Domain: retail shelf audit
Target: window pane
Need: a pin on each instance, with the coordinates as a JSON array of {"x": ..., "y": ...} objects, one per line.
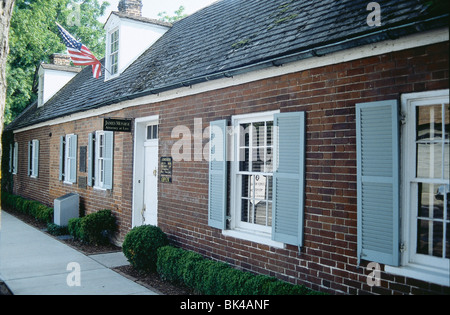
[
  {"x": 245, "y": 135},
  {"x": 430, "y": 238},
  {"x": 446, "y": 160},
  {"x": 429, "y": 122},
  {"x": 269, "y": 133},
  {"x": 258, "y": 134},
  {"x": 246, "y": 186},
  {"x": 447, "y": 242},
  {"x": 429, "y": 160},
  {"x": 245, "y": 210},
  {"x": 244, "y": 159},
  {"x": 257, "y": 160},
  {"x": 431, "y": 201}
]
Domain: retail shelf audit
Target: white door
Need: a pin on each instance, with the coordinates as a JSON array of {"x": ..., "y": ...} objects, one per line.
[{"x": 150, "y": 207}]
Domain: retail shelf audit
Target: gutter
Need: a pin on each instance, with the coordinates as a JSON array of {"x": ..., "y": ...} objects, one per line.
[{"x": 390, "y": 33}]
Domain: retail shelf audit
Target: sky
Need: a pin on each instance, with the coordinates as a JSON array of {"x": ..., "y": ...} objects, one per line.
[{"x": 151, "y": 8}]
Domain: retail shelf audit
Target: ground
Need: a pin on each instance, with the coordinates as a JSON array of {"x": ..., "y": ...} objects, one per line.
[{"x": 151, "y": 280}]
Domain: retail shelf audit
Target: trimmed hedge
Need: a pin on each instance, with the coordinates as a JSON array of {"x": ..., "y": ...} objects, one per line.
[
  {"x": 141, "y": 244},
  {"x": 95, "y": 228},
  {"x": 210, "y": 277},
  {"x": 36, "y": 209}
]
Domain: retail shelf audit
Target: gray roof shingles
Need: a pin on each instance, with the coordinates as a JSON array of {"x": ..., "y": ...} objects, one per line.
[{"x": 227, "y": 35}]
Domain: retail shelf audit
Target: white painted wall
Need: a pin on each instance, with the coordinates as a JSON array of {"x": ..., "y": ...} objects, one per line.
[
  {"x": 135, "y": 37},
  {"x": 53, "y": 81}
]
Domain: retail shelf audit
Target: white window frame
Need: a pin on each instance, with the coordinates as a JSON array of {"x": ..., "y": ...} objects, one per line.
[
  {"x": 110, "y": 74},
  {"x": 34, "y": 157},
  {"x": 68, "y": 160},
  {"x": 418, "y": 266},
  {"x": 238, "y": 229},
  {"x": 99, "y": 163}
]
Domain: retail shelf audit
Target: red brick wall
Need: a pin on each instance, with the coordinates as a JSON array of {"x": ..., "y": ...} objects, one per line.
[{"x": 328, "y": 96}]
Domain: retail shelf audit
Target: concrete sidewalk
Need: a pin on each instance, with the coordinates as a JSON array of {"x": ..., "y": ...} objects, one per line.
[{"x": 34, "y": 263}]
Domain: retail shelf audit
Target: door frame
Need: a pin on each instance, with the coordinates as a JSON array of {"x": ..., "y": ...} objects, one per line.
[{"x": 140, "y": 137}]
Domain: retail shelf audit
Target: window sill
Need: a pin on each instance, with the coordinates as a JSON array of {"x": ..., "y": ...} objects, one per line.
[
  {"x": 260, "y": 238},
  {"x": 420, "y": 272}
]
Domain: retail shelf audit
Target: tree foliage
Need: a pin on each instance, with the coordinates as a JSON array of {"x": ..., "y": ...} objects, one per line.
[
  {"x": 163, "y": 16},
  {"x": 34, "y": 37}
]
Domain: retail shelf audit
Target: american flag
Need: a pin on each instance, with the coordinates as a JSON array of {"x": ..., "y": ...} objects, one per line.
[{"x": 79, "y": 53}]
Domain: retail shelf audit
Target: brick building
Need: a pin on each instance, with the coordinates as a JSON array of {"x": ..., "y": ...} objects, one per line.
[{"x": 301, "y": 140}]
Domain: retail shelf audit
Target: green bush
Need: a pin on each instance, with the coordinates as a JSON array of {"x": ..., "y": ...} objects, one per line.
[
  {"x": 74, "y": 228},
  {"x": 210, "y": 277},
  {"x": 141, "y": 245},
  {"x": 35, "y": 209},
  {"x": 97, "y": 227},
  {"x": 56, "y": 230}
]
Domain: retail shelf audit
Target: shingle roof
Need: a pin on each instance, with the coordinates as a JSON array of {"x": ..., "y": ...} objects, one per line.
[{"x": 230, "y": 36}]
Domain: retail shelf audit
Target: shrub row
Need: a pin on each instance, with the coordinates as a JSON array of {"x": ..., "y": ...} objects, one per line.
[
  {"x": 36, "y": 209},
  {"x": 95, "y": 228},
  {"x": 210, "y": 277}
]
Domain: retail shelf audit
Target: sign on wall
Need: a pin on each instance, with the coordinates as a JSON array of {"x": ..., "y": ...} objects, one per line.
[
  {"x": 165, "y": 175},
  {"x": 117, "y": 125}
]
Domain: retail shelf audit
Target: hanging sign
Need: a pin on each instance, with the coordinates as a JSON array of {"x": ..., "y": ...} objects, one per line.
[{"x": 119, "y": 125}]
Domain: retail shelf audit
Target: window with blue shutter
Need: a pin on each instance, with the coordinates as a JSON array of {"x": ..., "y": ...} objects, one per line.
[
  {"x": 101, "y": 159},
  {"x": 377, "y": 131},
  {"x": 217, "y": 202},
  {"x": 288, "y": 178}
]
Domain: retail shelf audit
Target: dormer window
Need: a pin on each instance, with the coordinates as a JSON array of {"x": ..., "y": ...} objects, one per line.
[
  {"x": 114, "y": 53},
  {"x": 129, "y": 34}
]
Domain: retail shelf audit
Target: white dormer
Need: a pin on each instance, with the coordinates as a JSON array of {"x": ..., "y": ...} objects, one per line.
[
  {"x": 128, "y": 35},
  {"x": 53, "y": 76}
]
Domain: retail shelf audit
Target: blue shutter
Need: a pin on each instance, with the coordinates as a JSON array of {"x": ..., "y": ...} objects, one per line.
[
  {"x": 217, "y": 203},
  {"x": 289, "y": 178},
  {"x": 377, "y": 133},
  {"x": 90, "y": 159},
  {"x": 61, "y": 157},
  {"x": 108, "y": 159}
]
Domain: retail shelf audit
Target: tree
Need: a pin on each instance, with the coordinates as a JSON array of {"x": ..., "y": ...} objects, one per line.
[
  {"x": 34, "y": 37},
  {"x": 171, "y": 19},
  {"x": 6, "y": 10}
]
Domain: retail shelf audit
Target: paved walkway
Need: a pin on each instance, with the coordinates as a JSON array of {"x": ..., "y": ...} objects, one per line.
[{"x": 34, "y": 263}]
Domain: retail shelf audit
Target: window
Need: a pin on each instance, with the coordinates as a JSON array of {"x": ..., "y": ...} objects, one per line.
[
  {"x": 13, "y": 157},
  {"x": 152, "y": 132},
  {"x": 100, "y": 159},
  {"x": 425, "y": 228},
  {"x": 68, "y": 159},
  {"x": 41, "y": 91},
  {"x": 403, "y": 185},
  {"x": 114, "y": 53},
  {"x": 33, "y": 158},
  {"x": 266, "y": 193},
  {"x": 255, "y": 173}
]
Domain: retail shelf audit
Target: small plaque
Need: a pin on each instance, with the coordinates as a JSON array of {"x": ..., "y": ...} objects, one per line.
[
  {"x": 82, "y": 182},
  {"x": 165, "y": 173},
  {"x": 83, "y": 156}
]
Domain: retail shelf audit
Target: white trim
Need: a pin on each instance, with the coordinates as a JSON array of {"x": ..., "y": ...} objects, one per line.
[
  {"x": 140, "y": 138},
  {"x": 412, "y": 41},
  {"x": 253, "y": 232},
  {"x": 410, "y": 267}
]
